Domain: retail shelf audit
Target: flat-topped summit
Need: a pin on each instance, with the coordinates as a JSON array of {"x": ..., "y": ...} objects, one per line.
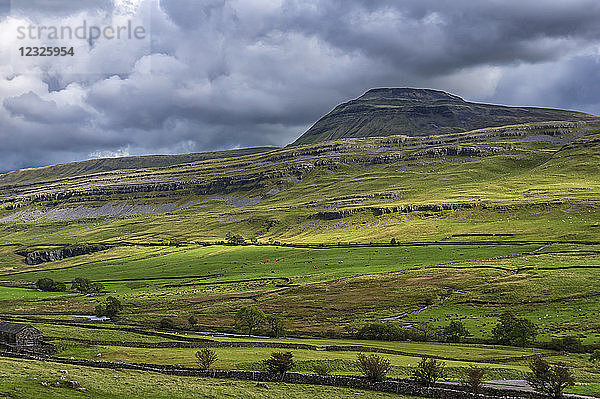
[
  {"x": 408, "y": 93},
  {"x": 421, "y": 112}
]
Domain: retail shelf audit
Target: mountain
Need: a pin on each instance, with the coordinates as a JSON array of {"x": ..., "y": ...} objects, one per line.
[{"x": 421, "y": 112}]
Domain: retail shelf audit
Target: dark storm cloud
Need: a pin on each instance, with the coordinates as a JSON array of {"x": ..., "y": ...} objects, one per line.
[
  {"x": 225, "y": 74},
  {"x": 437, "y": 37}
]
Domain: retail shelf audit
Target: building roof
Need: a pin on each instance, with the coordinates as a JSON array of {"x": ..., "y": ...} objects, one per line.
[{"x": 13, "y": 328}]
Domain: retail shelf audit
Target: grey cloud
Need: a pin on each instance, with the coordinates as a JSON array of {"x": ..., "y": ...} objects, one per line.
[
  {"x": 435, "y": 37},
  {"x": 226, "y": 74},
  {"x": 34, "y": 109}
]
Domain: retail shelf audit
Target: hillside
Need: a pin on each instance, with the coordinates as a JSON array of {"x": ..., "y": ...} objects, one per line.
[
  {"x": 420, "y": 112},
  {"x": 292, "y": 194},
  {"x": 94, "y": 166},
  {"x": 416, "y": 232}
]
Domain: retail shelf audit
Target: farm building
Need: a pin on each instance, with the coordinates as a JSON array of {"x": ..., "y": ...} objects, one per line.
[{"x": 16, "y": 334}]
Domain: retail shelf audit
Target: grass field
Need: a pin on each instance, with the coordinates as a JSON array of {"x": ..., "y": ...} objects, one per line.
[
  {"x": 511, "y": 223},
  {"x": 22, "y": 379}
]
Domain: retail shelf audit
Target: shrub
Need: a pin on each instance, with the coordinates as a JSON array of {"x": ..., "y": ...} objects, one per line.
[
  {"x": 249, "y": 318},
  {"x": 473, "y": 379},
  {"x": 280, "y": 362},
  {"x": 549, "y": 380},
  {"x": 192, "y": 320},
  {"x": 595, "y": 356},
  {"x": 206, "y": 358},
  {"x": 321, "y": 368},
  {"x": 455, "y": 331},
  {"x": 515, "y": 331},
  {"x": 86, "y": 286},
  {"x": 428, "y": 371},
  {"x": 167, "y": 323},
  {"x": 567, "y": 344},
  {"x": 374, "y": 367}
]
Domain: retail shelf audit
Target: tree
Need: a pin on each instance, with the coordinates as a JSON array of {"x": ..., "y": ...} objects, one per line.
[
  {"x": 382, "y": 332},
  {"x": 279, "y": 362},
  {"x": 47, "y": 284},
  {"x": 393, "y": 241},
  {"x": 205, "y": 358},
  {"x": 249, "y": 318},
  {"x": 473, "y": 379},
  {"x": 515, "y": 331},
  {"x": 192, "y": 320},
  {"x": 549, "y": 380},
  {"x": 111, "y": 308},
  {"x": 428, "y": 371},
  {"x": 276, "y": 326},
  {"x": 373, "y": 367},
  {"x": 455, "y": 331},
  {"x": 86, "y": 286}
]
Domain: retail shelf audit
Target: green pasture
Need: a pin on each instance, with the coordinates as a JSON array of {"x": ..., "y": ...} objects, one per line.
[{"x": 21, "y": 379}]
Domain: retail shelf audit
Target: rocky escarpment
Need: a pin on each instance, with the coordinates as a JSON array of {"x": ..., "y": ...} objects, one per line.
[
  {"x": 377, "y": 211},
  {"x": 38, "y": 257}
]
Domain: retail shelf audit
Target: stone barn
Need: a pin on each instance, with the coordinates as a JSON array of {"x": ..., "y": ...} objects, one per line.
[{"x": 16, "y": 334}]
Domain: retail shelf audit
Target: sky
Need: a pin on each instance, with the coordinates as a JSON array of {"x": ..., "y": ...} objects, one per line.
[{"x": 215, "y": 74}]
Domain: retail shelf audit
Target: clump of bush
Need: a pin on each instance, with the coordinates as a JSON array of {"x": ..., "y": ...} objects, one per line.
[
  {"x": 549, "y": 380},
  {"x": 455, "y": 332},
  {"x": 47, "y": 284},
  {"x": 515, "y": 331},
  {"x": 321, "y": 368},
  {"x": 206, "y": 358},
  {"x": 428, "y": 371},
  {"x": 567, "y": 344},
  {"x": 110, "y": 308},
  {"x": 279, "y": 362},
  {"x": 167, "y": 323},
  {"x": 85, "y": 286},
  {"x": 234, "y": 239},
  {"x": 373, "y": 367},
  {"x": 395, "y": 332}
]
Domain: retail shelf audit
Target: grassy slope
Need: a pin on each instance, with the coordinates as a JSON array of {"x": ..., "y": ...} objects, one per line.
[
  {"x": 22, "y": 379},
  {"x": 96, "y": 166}
]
